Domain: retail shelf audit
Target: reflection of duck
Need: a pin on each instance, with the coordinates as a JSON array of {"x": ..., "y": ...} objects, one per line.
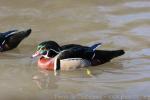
[
  {"x": 72, "y": 56},
  {"x": 11, "y": 39},
  {"x": 44, "y": 80}
]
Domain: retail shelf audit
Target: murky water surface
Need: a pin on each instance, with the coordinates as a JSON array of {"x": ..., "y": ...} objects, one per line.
[{"x": 118, "y": 24}]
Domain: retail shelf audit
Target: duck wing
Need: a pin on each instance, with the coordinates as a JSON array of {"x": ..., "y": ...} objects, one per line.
[
  {"x": 11, "y": 39},
  {"x": 4, "y": 35},
  {"x": 95, "y": 46},
  {"x": 68, "y": 46},
  {"x": 75, "y": 52}
]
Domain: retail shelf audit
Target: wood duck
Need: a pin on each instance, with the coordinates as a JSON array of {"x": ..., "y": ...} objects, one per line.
[
  {"x": 11, "y": 39},
  {"x": 72, "y": 56}
]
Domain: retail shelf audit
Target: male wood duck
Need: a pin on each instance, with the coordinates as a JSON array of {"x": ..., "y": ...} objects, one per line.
[
  {"x": 72, "y": 56},
  {"x": 11, "y": 39}
]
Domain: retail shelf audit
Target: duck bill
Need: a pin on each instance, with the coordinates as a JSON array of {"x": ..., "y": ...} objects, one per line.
[{"x": 37, "y": 53}]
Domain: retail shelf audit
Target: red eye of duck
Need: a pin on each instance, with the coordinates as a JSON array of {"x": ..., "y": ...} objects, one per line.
[{"x": 42, "y": 48}]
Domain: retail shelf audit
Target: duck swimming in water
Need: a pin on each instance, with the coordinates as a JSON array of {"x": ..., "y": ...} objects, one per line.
[
  {"x": 72, "y": 56},
  {"x": 11, "y": 39}
]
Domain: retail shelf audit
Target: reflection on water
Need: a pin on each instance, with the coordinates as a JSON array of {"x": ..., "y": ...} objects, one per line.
[{"x": 120, "y": 24}]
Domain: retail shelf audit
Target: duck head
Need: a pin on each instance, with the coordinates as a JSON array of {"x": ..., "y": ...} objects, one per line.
[
  {"x": 11, "y": 39},
  {"x": 47, "y": 49}
]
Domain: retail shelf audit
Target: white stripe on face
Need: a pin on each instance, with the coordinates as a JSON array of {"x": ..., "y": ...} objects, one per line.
[{"x": 46, "y": 56}]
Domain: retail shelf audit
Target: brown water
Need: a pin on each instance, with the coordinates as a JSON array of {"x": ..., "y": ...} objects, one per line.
[{"x": 118, "y": 24}]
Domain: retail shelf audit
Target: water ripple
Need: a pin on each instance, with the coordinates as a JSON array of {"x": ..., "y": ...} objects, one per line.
[
  {"x": 137, "y": 4},
  {"x": 121, "y": 20},
  {"x": 141, "y": 30}
]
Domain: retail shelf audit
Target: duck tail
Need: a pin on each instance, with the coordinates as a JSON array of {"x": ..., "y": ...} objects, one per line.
[
  {"x": 94, "y": 46},
  {"x": 25, "y": 33},
  {"x": 106, "y": 56},
  {"x": 117, "y": 53}
]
